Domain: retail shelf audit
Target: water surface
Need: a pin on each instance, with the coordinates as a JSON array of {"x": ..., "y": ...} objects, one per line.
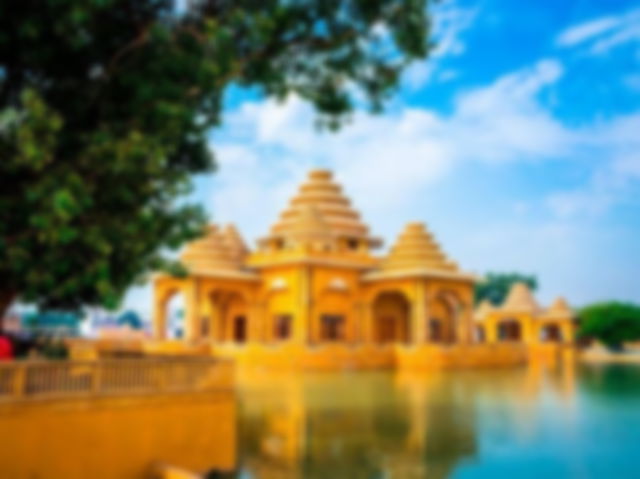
[{"x": 561, "y": 421}]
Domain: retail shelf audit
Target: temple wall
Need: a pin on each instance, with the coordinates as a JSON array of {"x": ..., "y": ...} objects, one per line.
[
  {"x": 70, "y": 438},
  {"x": 342, "y": 357}
]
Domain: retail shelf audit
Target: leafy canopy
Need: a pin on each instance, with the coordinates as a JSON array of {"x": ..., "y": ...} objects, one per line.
[
  {"x": 495, "y": 286},
  {"x": 105, "y": 108},
  {"x": 613, "y": 323}
]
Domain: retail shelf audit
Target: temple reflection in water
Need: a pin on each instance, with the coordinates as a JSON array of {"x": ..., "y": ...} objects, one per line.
[
  {"x": 365, "y": 424},
  {"x": 375, "y": 425}
]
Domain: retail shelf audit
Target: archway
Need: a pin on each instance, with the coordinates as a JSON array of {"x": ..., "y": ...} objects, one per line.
[
  {"x": 442, "y": 326},
  {"x": 228, "y": 320},
  {"x": 551, "y": 333},
  {"x": 391, "y": 313},
  {"x": 171, "y": 315},
  {"x": 479, "y": 336},
  {"x": 509, "y": 330}
]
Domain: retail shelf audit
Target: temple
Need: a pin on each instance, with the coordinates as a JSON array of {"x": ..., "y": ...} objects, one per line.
[{"x": 314, "y": 293}]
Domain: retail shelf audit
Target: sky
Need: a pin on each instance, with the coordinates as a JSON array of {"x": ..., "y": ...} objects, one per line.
[{"x": 517, "y": 142}]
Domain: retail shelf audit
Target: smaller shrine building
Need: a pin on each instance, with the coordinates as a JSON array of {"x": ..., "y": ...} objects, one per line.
[{"x": 521, "y": 319}]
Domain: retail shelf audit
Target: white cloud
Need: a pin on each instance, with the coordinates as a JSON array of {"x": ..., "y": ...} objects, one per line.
[
  {"x": 385, "y": 161},
  {"x": 603, "y": 34},
  {"x": 268, "y": 148},
  {"x": 586, "y": 31},
  {"x": 613, "y": 149}
]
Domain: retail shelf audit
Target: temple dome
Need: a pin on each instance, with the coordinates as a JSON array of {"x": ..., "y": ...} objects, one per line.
[
  {"x": 520, "y": 300},
  {"x": 234, "y": 242},
  {"x": 484, "y": 308},
  {"x": 210, "y": 253},
  {"x": 309, "y": 224},
  {"x": 559, "y": 309},
  {"x": 329, "y": 206},
  {"x": 417, "y": 249}
]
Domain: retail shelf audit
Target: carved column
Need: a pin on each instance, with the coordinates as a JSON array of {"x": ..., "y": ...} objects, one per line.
[
  {"x": 159, "y": 317},
  {"x": 419, "y": 315},
  {"x": 301, "y": 323},
  {"x": 191, "y": 311},
  {"x": 367, "y": 323}
]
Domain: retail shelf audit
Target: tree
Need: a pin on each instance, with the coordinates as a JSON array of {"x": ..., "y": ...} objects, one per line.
[
  {"x": 106, "y": 106},
  {"x": 495, "y": 286},
  {"x": 612, "y": 323}
]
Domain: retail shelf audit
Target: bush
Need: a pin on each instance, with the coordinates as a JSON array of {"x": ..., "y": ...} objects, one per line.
[{"x": 612, "y": 323}]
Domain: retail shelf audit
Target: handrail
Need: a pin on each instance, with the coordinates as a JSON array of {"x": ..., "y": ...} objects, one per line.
[{"x": 34, "y": 379}]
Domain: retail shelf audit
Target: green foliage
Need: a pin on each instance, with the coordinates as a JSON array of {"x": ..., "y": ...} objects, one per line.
[
  {"x": 612, "y": 323},
  {"x": 106, "y": 106},
  {"x": 54, "y": 349},
  {"x": 495, "y": 286}
]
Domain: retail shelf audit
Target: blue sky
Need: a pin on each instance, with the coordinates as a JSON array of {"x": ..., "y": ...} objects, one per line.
[{"x": 517, "y": 143}]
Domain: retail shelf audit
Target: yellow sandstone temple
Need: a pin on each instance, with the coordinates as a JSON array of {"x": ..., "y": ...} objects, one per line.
[{"x": 313, "y": 294}]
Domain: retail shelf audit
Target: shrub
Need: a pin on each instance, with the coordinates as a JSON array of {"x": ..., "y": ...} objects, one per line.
[{"x": 612, "y": 323}]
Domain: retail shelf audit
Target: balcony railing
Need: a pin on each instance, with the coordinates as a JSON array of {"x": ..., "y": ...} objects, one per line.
[{"x": 24, "y": 380}]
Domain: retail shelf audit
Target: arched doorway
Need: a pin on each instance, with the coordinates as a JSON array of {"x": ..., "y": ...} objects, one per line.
[
  {"x": 442, "y": 320},
  {"x": 239, "y": 329},
  {"x": 391, "y": 313},
  {"x": 173, "y": 313},
  {"x": 550, "y": 333},
  {"x": 479, "y": 336},
  {"x": 229, "y": 319},
  {"x": 509, "y": 330}
]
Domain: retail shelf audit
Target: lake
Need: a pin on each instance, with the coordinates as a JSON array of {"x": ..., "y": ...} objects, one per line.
[
  {"x": 563, "y": 421},
  {"x": 532, "y": 422}
]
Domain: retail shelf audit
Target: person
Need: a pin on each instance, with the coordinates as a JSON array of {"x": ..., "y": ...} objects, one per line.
[{"x": 6, "y": 348}]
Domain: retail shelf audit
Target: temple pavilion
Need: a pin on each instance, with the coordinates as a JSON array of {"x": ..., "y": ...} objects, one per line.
[
  {"x": 521, "y": 319},
  {"x": 314, "y": 283}
]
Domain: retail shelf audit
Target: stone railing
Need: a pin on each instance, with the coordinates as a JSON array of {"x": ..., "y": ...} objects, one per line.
[{"x": 25, "y": 380}]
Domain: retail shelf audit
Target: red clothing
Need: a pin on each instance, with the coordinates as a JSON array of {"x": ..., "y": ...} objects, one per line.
[{"x": 6, "y": 348}]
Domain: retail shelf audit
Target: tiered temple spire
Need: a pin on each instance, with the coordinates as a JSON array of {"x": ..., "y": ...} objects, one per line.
[
  {"x": 484, "y": 308},
  {"x": 234, "y": 242},
  {"x": 331, "y": 206},
  {"x": 559, "y": 308},
  {"x": 210, "y": 253},
  {"x": 417, "y": 249},
  {"x": 520, "y": 300}
]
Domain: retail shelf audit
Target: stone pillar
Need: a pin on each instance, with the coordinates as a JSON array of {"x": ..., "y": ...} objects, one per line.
[
  {"x": 367, "y": 323},
  {"x": 159, "y": 317},
  {"x": 491, "y": 330},
  {"x": 462, "y": 323},
  {"x": 419, "y": 315},
  {"x": 215, "y": 325},
  {"x": 300, "y": 326},
  {"x": 254, "y": 317},
  {"x": 528, "y": 329},
  {"x": 191, "y": 311},
  {"x": 358, "y": 323},
  {"x": 567, "y": 331}
]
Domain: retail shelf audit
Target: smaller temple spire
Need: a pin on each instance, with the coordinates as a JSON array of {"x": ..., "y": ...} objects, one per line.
[
  {"x": 209, "y": 254},
  {"x": 484, "y": 308},
  {"x": 559, "y": 309},
  {"x": 233, "y": 240},
  {"x": 520, "y": 299},
  {"x": 417, "y": 249}
]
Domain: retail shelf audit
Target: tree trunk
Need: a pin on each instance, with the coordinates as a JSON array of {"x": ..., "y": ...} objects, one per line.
[{"x": 6, "y": 298}]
